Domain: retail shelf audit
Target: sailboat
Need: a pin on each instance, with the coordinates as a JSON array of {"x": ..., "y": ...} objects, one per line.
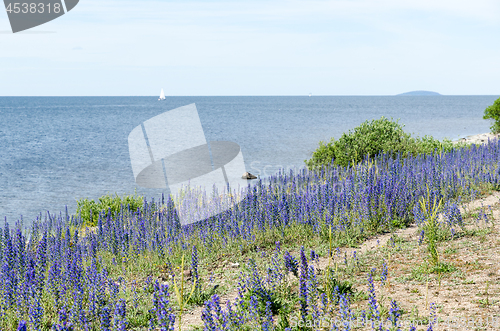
[{"x": 162, "y": 96}]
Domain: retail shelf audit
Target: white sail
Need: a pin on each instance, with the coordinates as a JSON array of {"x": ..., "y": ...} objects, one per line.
[{"x": 162, "y": 95}]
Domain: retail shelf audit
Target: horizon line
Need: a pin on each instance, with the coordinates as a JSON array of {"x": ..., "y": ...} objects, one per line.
[{"x": 267, "y": 95}]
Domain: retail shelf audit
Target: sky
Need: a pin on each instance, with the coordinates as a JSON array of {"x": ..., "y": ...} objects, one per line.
[{"x": 284, "y": 47}]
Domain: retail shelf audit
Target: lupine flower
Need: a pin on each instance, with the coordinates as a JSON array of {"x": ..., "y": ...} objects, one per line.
[
  {"x": 268, "y": 322},
  {"x": 314, "y": 256},
  {"x": 120, "y": 322},
  {"x": 165, "y": 318},
  {"x": 211, "y": 278},
  {"x": 433, "y": 316},
  {"x": 63, "y": 324},
  {"x": 312, "y": 293},
  {"x": 36, "y": 313},
  {"x": 421, "y": 237},
  {"x": 194, "y": 270},
  {"x": 393, "y": 243},
  {"x": 303, "y": 284},
  {"x": 254, "y": 307},
  {"x": 374, "y": 312},
  {"x": 291, "y": 264},
  {"x": 394, "y": 314},
  {"x": 355, "y": 258},
  {"x": 105, "y": 319},
  {"x": 207, "y": 318},
  {"x": 383, "y": 276},
  {"x": 345, "y": 311},
  {"x": 363, "y": 317},
  {"x": 22, "y": 326}
]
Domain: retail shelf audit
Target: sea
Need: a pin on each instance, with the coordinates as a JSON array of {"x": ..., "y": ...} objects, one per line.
[{"x": 56, "y": 150}]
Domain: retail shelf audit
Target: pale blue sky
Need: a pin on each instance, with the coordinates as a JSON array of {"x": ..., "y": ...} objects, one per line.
[{"x": 349, "y": 47}]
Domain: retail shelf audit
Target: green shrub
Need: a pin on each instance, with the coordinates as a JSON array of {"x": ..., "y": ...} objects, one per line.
[
  {"x": 104, "y": 204},
  {"x": 372, "y": 138},
  {"x": 367, "y": 140},
  {"x": 323, "y": 155},
  {"x": 493, "y": 112},
  {"x": 428, "y": 144}
]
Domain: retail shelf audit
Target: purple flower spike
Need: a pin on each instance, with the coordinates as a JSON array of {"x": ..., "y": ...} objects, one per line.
[
  {"x": 394, "y": 313},
  {"x": 383, "y": 276},
  {"x": 291, "y": 264},
  {"x": 303, "y": 284},
  {"x": 22, "y": 326}
]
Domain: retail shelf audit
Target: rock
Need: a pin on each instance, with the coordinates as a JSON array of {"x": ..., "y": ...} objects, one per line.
[
  {"x": 248, "y": 175},
  {"x": 187, "y": 274},
  {"x": 479, "y": 138}
]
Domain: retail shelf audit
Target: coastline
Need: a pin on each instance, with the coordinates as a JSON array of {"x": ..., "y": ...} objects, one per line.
[
  {"x": 478, "y": 138},
  {"x": 395, "y": 253}
]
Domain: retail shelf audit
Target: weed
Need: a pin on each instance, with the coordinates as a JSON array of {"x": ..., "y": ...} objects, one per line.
[
  {"x": 179, "y": 293},
  {"x": 431, "y": 226},
  {"x": 334, "y": 287},
  {"x": 450, "y": 251},
  {"x": 89, "y": 210}
]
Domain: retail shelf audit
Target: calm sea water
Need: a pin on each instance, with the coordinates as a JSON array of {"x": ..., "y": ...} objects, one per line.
[{"x": 54, "y": 150}]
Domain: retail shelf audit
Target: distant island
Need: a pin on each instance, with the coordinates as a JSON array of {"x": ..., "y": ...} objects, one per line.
[{"x": 420, "y": 93}]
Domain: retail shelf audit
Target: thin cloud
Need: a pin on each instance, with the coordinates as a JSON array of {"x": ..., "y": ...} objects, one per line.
[
  {"x": 295, "y": 9},
  {"x": 350, "y": 47}
]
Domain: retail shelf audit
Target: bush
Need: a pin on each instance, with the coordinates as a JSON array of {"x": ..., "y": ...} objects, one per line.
[
  {"x": 368, "y": 139},
  {"x": 493, "y": 112},
  {"x": 104, "y": 204},
  {"x": 323, "y": 155},
  {"x": 429, "y": 144},
  {"x": 372, "y": 138}
]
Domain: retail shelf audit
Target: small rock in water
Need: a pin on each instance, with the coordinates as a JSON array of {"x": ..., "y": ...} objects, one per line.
[{"x": 248, "y": 175}]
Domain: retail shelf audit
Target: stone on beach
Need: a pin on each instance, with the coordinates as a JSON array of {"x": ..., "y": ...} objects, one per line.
[
  {"x": 248, "y": 175},
  {"x": 479, "y": 138}
]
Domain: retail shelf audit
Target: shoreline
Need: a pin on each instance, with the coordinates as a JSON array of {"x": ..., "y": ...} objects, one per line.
[{"x": 478, "y": 138}]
